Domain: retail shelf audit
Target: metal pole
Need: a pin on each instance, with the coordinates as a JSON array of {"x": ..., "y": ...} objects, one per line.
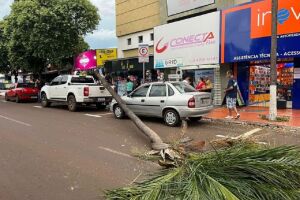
[
  {"x": 273, "y": 86},
  {"x": 144, "y": 80}
]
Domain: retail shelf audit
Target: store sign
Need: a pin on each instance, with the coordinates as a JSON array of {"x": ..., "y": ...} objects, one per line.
[
  {"x": 104, "y": 55},
  {"x": 188, "y": 42},
  {"x": 246, "y": 31},
  {"x": 86, "y": 61},
  {"x": 178, "y": 6}
]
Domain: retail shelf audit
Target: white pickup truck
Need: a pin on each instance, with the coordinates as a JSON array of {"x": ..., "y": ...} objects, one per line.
[{"x": 75, "y": 90}]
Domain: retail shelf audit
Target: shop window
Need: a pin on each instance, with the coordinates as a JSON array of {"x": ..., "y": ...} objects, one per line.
[
  {"x": 129, "y": 41},
  {"x": 141, "y": 39}
]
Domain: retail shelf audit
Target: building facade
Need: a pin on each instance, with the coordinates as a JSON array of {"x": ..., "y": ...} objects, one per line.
[{"x": 135, "y": 20}]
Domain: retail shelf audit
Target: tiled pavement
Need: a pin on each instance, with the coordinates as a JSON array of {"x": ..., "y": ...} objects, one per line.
[{"x": 253, "y": 115}]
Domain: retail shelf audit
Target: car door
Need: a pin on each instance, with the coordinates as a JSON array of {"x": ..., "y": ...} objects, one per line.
[
  {"x": 156, "y": 100},
  {"x": 62, "y": 88},
  {"x": 53, "y": 88},
  {"x": 136, "y": 101}
]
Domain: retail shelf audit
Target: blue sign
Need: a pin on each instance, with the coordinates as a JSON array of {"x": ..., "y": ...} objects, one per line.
[{"x": 238, "y": 45}]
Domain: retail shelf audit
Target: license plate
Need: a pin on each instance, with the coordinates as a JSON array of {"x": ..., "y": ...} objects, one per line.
[
  {"x": 101, "y": 99},
  {"x": 205, "y": 101},
  {"x": 34, "y": 97}
]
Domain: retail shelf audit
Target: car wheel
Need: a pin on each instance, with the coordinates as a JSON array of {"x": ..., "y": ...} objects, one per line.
[
  {"x": 72, "y": 104},
  {"x": 44, "y": 101},
  {"x": 195, "y": 119},
  {"x": 18, "y": 99},
  {"x": 171, "y": 118},
  {"x": 100, "y": 106},
  {"x": 118, "y": 112}
]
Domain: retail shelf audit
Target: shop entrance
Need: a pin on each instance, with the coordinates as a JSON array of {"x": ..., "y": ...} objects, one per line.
[
  {"x": 296, "y": 89},
  {"x": 259, "y": 84}
]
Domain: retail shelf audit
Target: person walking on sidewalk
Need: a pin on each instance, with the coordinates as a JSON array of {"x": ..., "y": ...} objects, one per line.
[{"x": 231, "y": 96}]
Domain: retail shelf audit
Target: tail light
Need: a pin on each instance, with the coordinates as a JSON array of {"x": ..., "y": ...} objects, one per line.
[
  {"x": 192, "y": 103},
  {"x": 86, "y": 91}
]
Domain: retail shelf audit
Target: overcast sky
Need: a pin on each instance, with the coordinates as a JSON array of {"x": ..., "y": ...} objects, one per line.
[{"x": 103, "y": 37}]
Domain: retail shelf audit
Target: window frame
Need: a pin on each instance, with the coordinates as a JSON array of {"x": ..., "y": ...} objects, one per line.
[
  {"x": 133, "y": 96},
  {"x": 155, "y": 85},
  {"x": 58, "y": 83},
  {"x": 170, "y": 88},
  {"x": 151, "y": 36},
  {"x": 62, "y": 82},
  {"x": 129, "y": 41},
  {"x": 141, "y": 39}
]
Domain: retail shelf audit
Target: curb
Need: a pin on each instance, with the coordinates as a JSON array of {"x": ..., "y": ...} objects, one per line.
[{"x": 259, "y": 124}]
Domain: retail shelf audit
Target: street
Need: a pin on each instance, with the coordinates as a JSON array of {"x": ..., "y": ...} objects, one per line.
[{"x": 51, "y": 153}]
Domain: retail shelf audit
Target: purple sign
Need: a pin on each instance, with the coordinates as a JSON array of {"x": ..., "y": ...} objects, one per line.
[{"x": 86, "y": 61}]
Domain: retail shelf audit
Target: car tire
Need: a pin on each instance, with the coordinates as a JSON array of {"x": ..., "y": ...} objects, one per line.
[
  {"x": 18, "y": 99},
  {"x": 118, "y": 112},
  {"x": 195, "y": 119},
  {"x": 100, "y": 106},
  {"x": 44, "y": 101},
  {"x": 171, "y": 118},
  {"x": 72, "y": 104}
]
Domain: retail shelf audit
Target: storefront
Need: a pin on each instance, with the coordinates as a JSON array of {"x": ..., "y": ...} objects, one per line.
[
  {"x": 246, "y": 46},
  {"x": 191, "y": 48}
]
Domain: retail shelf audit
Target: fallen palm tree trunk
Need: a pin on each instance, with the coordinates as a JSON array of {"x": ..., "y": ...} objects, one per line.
[{"x": 241, "y": 172}]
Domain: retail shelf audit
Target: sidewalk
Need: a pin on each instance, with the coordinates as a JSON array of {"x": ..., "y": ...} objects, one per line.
[{"x": 252, "y": 115}]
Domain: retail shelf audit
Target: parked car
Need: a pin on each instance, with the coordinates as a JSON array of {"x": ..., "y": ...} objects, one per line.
[
  {"x": 75, "y": 90},
  {"x": 171, "y": 101},
  {"x": 22, "y": 92}
]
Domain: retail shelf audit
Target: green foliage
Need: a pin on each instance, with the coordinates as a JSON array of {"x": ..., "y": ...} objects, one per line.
[
  {"x": 3, "y": 50},
  {"x": 43, "y": 31},
  {"x": 237, "y": 173}
]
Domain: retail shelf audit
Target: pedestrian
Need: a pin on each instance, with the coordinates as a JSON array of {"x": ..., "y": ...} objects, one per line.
[
  {"x": 208, "y": 84},
  {"x": 201, "y": 85},
  {"x": 187, "y": 80},
  {"x": 37, "y": 84},
  {"x": 129, "y": 86},
  {"x": 231, "y": 96}
]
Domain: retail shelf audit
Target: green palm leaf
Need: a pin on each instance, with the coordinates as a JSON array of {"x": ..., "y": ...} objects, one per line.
[{"x": 244, "y": 172}]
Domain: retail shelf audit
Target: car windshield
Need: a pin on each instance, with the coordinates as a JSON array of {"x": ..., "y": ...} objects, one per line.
[
  {"x": 82, "y": 80},
  {"x": 25, "y": 85},
  {"x": 184, "y": 88}
]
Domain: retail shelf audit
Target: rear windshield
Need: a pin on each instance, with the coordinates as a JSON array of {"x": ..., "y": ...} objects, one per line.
[
  {"x": 26, "y": 85},
  {"x": 184, "y": 88},
  {"x": 82, "y": 80}
]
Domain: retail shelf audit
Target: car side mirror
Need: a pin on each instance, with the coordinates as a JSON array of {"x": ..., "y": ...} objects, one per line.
[
  {"x": 69, "y": 83},
  {"x": 47, "y": 84}
]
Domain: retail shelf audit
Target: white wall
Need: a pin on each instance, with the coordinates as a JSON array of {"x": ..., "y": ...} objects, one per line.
[{"x": 122, "y": 41}]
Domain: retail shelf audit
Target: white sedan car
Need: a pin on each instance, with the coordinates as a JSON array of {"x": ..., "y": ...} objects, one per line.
[{"x": 171, "y": 101}]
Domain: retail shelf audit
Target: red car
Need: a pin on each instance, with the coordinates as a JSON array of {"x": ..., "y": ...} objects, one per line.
[{"x": 23, "y": 92}]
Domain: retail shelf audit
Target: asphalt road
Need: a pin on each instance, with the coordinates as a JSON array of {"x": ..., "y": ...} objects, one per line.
[{"x": 53, "y": 154}]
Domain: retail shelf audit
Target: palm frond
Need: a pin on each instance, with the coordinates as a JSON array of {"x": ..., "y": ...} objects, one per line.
[{"x": 242, "y": 172}]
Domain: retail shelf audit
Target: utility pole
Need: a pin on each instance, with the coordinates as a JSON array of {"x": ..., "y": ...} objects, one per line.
[{"x": 273, "y": 86}]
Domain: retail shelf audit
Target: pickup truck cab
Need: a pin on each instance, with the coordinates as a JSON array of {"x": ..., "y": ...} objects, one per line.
[{"x": 75, "y": 90}]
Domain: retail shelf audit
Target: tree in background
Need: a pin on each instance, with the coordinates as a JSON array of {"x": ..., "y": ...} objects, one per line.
[
  {"x": 41, "y": 32},
  {"x": 4, "y": 63}
]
